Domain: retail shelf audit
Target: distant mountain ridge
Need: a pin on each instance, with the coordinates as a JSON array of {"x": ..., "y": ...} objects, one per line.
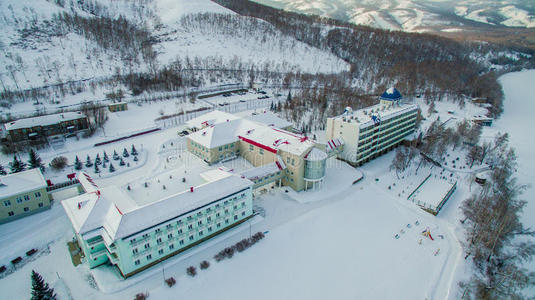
[{"x": 418, "y": 15}]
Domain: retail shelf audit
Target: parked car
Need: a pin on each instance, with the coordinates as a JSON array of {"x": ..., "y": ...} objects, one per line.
[
  {"x": 183, "y": 133},
  {"x": 242, "y": 100}
]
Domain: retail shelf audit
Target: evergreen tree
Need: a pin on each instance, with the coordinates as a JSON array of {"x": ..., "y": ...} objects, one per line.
[
  {"x": 35, "y": 161},
  {"x": 272, "y": 107},
  {"x": 77, "y": 163},
  {"x": 98, "y": 161},
  {"x": 115, "y": 155},
  {"x": 88, "y": 162},
  {"x": 134, "y": 151},
  {"x": 2, "y": 170},
  {"x": 106, "y": 158},
  {"x": 97, "y": 169},
  {"x": 289, "y": 98},
  {"x": 125, "y": 153},
  {"x": 40, "y": 289},
  {"x": 112, "y": 168},
  {"x": 135, "y": 158},
  {"x": 17, "y": 165},
  {"x": 121, "y": 163}
]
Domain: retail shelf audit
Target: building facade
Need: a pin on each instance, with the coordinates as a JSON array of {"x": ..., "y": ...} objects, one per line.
[
  {"x": 218, "y": 136},
  {"x": 36, "y": 130},
  {"x": 22, "y": 194},
  {"x": 111, "y": 229},
  {"x": 372, "y": 131}
]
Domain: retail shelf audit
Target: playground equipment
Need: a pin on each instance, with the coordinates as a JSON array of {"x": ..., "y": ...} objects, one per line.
[
  {"x": 427, "y": 233},
  {"x": 437, "y": 252}
]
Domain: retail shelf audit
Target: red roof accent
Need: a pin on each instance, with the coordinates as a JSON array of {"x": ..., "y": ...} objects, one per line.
[
  {"x": 71, "y": 176},
  {"x": 118, "y": 210},
  {"x": 288, "y": 133},
  {"x": 267, "y": 148},
  {"x": 278, "y": 165}
]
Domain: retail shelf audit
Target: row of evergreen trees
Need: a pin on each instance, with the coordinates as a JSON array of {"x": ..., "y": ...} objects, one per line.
[
  {"x": 78, "y": 165},
  {"x": 17, "y": 165}
]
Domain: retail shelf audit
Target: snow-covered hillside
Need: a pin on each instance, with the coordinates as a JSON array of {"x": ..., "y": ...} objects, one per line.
[
  {"x": 38, "y": 50},
  {"x": 413, "y": 15}
]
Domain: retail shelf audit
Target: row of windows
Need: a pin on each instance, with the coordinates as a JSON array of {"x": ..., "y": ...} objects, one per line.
[
  {"x": 7, "y": 203},
  {"x": 182, "y": 242},
  {"x": 388, "y": 137},
  {"x": 400, "y": 116},
  {"x": 205, "y": 212},
  {"x": 26, "y": 209},
  {"x": 226, "y": 147},
  {"x": 363, "y": 156},
  {"x": 381, "y": 134},
  {"x": 364, "y": 135}
]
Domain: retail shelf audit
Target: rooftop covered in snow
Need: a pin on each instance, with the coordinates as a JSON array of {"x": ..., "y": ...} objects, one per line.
[
  {"x": 44, "y": 120},
  {"x": 380, "y": 112},
  {"x": 211, "y": 118},
  {"x": 391, "y": 94},
  {"x": 25, "y": 181},
  {"x": 114, "y": 211},
  {"x": 270, "y": 119}
]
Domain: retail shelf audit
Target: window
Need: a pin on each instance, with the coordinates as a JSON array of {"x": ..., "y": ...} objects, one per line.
[
  {"x": 220, "y": 148},
  {"x": 149, "y": 257},
  {"x": 261, "y": 151},
  {"x": 137, "y": 262},
  {"x": 190, "y": 226},
  {"x": 200, "y": 222},
  {"x": 10, "y": 213},
  {"x": 170, "y": 236},
  {"x": 26, "y": 198},
  {"x": 210, "y": 228},
  {"x": 235, "y": 206},
  {"x": 146, "y": 235},
  {"x": 201, "y": 233},
  {"x": 243, "y": 204},
  {"x": 134, "y": 251},
  {"x": 19, "y": 199},
  {"x": 226, "y": 221},
  {"x": 181, "y": 242},
  {"x": 171, "y": 247},
  {"x": 160, "y": 251},
  {"x": 37, "y": 194},
  {"x": 217, "y": 215},
  {"x": 7, "y": 203},
  {"x": 159, "y": 240},
  {"x": 169, "y": 226},
  {"x": 251, "y": 148},
  {"x": 209, "y": 219},
  {"x": 180, "y": 231},
  {"x": 189, "y": 218},
  {"x": 158, "y": 230},
  {"x": 26, "y": 209},
  {"x": 40, "y": 204},
  {"x": 226, "y": 211},
  {"x": 179, "y": 222},
  {"x": 132, "y": 241},
  {"x": 147, "y": 245},
  {"x": 191, "y": 237},
  {"x": 243, "y": 213},
  {"x": 235, "y": 217}
]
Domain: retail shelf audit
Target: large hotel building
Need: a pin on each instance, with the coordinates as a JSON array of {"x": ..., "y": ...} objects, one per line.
[{"x": 374, "y": 130}]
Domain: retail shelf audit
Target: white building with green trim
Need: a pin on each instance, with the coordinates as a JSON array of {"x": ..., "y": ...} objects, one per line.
[
  {"x": 112, "y": 229},
  {"x": 22, "y": 194}
]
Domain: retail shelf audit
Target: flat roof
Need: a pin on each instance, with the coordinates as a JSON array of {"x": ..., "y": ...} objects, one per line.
[
  {"x": 44, "y": 120},
  {"x": 383, "y": 112},
  {"x": 211, "y": 118},
  {"x": 16, "y": 183},
  {"x": 431, "y": 193}
]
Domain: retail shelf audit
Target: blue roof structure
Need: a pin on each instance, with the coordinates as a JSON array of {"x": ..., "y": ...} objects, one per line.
[{"x": 392, "y": 94}]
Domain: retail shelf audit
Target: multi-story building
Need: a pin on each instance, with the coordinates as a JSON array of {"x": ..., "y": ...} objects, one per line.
[
  {"x": 374, "y": 130},
  {"x": 112, "y": 229},
  {"x": 219, "y": 136},
  {"x": 22, "y": 194},
  {"x": 36, "y": 130}
]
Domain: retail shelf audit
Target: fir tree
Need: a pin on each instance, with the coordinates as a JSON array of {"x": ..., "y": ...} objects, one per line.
[
  {"x": 135, "y": 158},
  {"x": 112, "y": 168},
  {"x": 134, "y": 151},
  {"x": 77, "y": 163},
  {"x": 98, "y": 161},
  {"x": 125, "y": 153},
  {"x": 289, "y": 98},
  {"x": 272, "y": 107},
  {"x": 17, "y": 165},
  {"x": 88, "y": 162},
  {"x": 97, "y": 169},
  {"x": 35, "y": 161},
  {"x": 40, "y": 289},
  {"x": 106, "y": 158},
  {"x": 121, "y": 163},
  {"x": 115, "y": 155},
  {"x": 2, "y": 170}
]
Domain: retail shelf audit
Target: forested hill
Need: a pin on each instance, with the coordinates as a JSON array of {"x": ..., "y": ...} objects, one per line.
[{"x": 416, "y": 63}]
